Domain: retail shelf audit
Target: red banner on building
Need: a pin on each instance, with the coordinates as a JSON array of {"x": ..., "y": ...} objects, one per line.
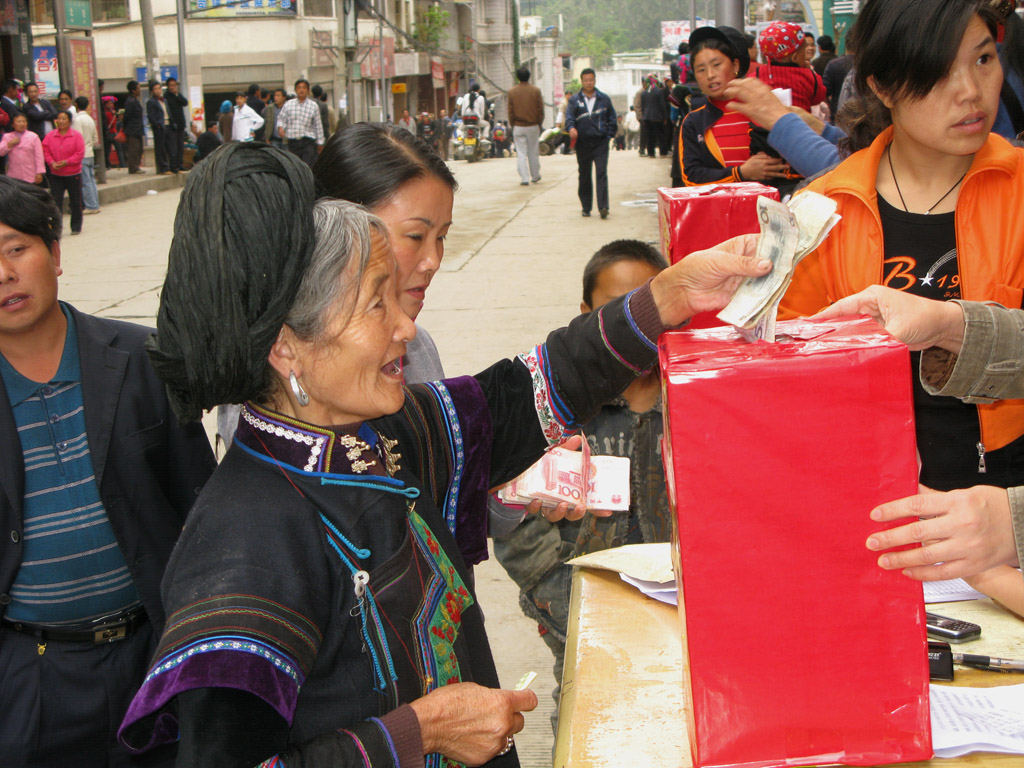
[
  {"x": 83, "y": 72},
  {"x": 368, "y": 55},
  {"x": 559, "y": 90}
]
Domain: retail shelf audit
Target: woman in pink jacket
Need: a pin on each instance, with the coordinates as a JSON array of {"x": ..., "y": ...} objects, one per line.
[
  {"x": 24, "y": 152},
  {"x": 64, "y": 149}
]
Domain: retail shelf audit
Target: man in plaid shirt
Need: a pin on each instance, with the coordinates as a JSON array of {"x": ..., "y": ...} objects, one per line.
[{"x": 299, "y": 123}]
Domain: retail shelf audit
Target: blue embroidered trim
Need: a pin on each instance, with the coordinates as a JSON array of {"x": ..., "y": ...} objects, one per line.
[
  {"x": 409, "y": 493},
  {"x": 562, "y": 412},
  {"x": 632, "y": 323},
  {"x": 611, "y": 349},
  {"x": 362, "y": 554},
  {"x": 454, "y": 428},
  {"x": 381, "y": 483},
  {"x": 550, "y": 423},
  {"x": 387, "y": 736},
  {"x": 434, "y": 589},
  {"x": 366, "y": 599},
  {"x": 359, "y": 744},
  {"x": 228, "y": 643},
  {"x": 368, "y": 435}
]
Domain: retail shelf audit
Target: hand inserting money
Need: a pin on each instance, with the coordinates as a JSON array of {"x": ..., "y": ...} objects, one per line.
[{"x": 788, "y": 233}]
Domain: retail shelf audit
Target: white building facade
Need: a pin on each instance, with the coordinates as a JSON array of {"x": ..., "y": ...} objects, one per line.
[{"x": 429, "y": 53}]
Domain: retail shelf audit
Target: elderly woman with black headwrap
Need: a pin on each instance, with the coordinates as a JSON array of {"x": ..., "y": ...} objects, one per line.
[{"x": 318, "y": 605}]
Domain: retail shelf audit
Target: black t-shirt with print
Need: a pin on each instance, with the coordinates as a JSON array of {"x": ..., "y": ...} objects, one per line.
[{"x": 921, "y": 258}]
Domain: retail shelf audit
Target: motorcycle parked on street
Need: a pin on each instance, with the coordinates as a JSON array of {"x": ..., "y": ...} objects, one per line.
[
  {"x": 551, "y": 140},
  {"x": 470, "y": 145}
]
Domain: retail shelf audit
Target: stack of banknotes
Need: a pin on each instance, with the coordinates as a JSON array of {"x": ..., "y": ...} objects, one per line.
[
  {"x": 559, "y": 476},
  {"x": 789, "y": 232}
]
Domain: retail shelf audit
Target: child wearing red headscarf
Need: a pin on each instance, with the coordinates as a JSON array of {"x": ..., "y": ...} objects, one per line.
[{"x": 780, "y": 42}]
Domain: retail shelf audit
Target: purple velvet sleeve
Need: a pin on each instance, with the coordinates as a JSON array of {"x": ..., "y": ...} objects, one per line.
[
  {"x": 472, "y": 444},
  {"x": 150, "y": 723}
]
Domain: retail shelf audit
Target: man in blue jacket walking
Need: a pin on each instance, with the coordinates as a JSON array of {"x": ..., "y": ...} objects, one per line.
[{"x": 590, "y": 119}]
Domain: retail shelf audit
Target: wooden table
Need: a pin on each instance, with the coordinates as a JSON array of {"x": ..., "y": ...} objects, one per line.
[{"x": 622, "y": 688}]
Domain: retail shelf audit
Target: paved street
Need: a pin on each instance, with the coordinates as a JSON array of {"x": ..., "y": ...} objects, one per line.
[{"x": 512, "y": 271}]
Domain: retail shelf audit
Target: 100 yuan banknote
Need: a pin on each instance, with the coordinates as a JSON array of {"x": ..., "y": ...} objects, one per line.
[{"x": 558, "y": 476}]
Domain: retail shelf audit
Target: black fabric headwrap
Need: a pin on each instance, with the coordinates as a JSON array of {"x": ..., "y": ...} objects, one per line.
[{"x": 243, "y": 236}]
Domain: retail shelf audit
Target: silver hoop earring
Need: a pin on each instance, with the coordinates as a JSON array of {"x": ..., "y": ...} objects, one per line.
[{"x": 297, "y": 390}]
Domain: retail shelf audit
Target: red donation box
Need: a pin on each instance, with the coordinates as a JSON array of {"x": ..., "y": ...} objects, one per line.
[
  {"x": 694, "y": 218},
  {"x": 798, "y": 648}
]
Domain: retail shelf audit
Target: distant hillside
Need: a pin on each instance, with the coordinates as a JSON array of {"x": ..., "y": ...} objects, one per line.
[{"x": 620, "y": 25}]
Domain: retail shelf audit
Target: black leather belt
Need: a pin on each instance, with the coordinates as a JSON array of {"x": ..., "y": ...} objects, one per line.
[{"x": 107, "y": 630}]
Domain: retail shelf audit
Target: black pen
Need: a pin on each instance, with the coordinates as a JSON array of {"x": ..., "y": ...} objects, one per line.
[{"x": 988, "y": 662}]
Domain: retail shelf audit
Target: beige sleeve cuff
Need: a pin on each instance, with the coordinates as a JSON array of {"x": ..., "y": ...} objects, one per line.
[
  {"x": 990, "y": 365},
  {"x": 1017, "y": 518}
]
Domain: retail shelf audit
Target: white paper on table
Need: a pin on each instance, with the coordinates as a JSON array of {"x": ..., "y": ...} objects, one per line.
[
  {"x": 665, "y": 593},
  {"x": 977, "y": 720},
  {"x": 650, "y": 562},
  {"x": 950, "y": 591}
]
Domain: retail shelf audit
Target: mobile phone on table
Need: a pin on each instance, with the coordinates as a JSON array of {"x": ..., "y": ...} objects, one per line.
[{"x": 951, "y": 630}]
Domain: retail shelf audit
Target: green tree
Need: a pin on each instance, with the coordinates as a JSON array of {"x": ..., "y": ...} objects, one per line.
[
  {"x": 632, "y": 25},
  {"x": 433, "y": 23},
  {"x": 591, "y": 45}
]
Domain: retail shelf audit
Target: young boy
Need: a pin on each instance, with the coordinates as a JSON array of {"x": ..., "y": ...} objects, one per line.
[
  {"x": 782, "y": 47},
  {"x": 534, "y": 554}
]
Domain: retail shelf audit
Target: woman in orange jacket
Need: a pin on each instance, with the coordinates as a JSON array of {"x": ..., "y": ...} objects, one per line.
[{"x": 932, "y": 206}]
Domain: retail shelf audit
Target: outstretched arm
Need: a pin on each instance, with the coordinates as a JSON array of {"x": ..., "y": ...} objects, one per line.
[{"x": 918, "y": 322}]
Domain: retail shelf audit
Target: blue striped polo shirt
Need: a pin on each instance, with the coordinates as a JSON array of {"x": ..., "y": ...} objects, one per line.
[{"x": 72, "y": 570}]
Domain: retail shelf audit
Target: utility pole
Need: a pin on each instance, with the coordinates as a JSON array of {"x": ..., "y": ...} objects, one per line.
[
  {"x": 346, "y": 37},
  {"x": 382, "y": 8},
  {"x": 63, "y": 54},
  {"x": 182, "y": 67},
  {"x": 476, "y": 40},
  {"x": 729, "y": 13},
  {"x": 149, "y": 40}
]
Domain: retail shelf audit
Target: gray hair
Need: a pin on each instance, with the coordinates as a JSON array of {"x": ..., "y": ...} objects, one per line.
[{"x": 344, "y": 236}]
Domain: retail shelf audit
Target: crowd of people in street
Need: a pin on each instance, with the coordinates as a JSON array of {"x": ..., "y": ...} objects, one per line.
[
  {"x": 55, "y": 147},
  {"x": 310, "y": 599},
  {"x": 299, "y": 122},
  {"x": 59, "y": 146},
  {"x": 442, "y": 132}
]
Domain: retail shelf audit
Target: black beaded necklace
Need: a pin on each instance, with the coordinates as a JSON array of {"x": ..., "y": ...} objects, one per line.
[{"x": 888, "y": 154}]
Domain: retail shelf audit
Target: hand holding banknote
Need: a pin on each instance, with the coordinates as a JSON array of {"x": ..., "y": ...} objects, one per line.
[
  {"x": 789, "y": 232},
  {"x": 568, "y": 482},
  {"x": 705, "y": 280},
  {"x": 555, "y": 511}
]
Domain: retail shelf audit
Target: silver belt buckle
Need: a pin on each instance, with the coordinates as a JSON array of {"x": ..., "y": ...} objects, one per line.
[{"x": 111, "y": 633}]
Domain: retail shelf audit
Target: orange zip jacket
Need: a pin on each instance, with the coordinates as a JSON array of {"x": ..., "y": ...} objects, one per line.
[{"x": 989, "y": 241}]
